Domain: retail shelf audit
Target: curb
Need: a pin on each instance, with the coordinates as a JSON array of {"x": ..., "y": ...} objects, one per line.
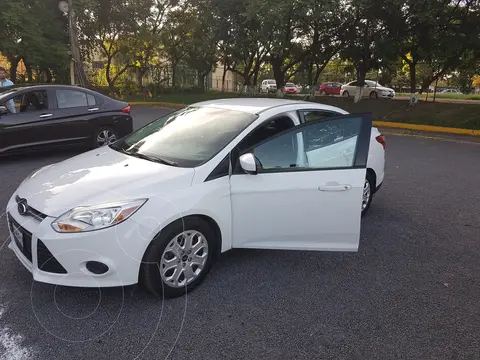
[{"x": 426, "y": 128}]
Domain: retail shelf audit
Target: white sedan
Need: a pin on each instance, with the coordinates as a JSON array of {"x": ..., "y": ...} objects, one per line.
[
  {"x": 160, "y": 205},
  {"x": 371, "y": 89}
]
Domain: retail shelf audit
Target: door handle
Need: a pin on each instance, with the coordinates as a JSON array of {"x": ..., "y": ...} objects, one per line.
[
  {"x": 45, "y": 115},
  {"x": 93, "y": 109},
  {"x": 344, "y": 187}
]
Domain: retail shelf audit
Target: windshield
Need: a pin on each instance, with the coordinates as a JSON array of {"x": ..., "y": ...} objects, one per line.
[
  {"x": 273, "y": 82},
  {"x": 289, "y": 85},
  {"x": 372, "y": 83},
  {"x": 186, "y": 137}
]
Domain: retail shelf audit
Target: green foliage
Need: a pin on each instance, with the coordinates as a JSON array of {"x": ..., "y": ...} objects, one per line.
[{"x": 36, "y": 32}]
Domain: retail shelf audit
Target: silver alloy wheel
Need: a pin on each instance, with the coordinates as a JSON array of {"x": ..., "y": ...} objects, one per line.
[
  {"x": 346, "y": 94},
  {"x": 106, "y": 137},
  {"x": 366, "y": 194},
  {"x": 184, "y": 258}
]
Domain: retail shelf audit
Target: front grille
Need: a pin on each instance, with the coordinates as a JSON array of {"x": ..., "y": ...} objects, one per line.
[
  {"x": 46, "y": 261},
  {"x": 31, "y": 211},
  {"x": 24, "y": 244}
]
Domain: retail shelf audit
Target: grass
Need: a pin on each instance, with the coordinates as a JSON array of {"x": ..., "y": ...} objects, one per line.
[
  {"x": 446, "y": 96},
  {"x": 448, "y": 114}
]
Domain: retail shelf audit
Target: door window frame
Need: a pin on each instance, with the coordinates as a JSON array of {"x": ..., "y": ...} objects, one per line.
[
  {"x": 23, "y": 92},
  {"x": 360, "y": 153}
]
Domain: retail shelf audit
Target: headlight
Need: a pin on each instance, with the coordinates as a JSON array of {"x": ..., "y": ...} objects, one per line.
[{"x": 89, "y": 218}]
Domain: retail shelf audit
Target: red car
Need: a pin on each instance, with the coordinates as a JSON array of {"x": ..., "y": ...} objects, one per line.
[
  {"x": 290, "y": 88},
  {"x": 329, "y": 88}
]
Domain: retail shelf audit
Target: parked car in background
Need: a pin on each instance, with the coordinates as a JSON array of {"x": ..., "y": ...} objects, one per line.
[
  {"x": 330, "y": 88},
  {"x": 372, "y": 89},
  {"x": 46, "y": 116},
  {"x": 450, "y": 91},
  {"x": 159, "y": 210},
  {"x": 290, "y": 88},
  {"x": 268, "y": 86}
]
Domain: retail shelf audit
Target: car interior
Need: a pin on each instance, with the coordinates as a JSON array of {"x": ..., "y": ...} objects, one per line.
[{"x": 280, "y": 152}]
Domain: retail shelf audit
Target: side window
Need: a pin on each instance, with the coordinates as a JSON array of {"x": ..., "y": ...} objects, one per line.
[
  {"x": 91, "y": 100},
  {"x": 27, "y": 102},
  {"x": 355, "y": 83},
  {"x": 320, "y": 145},
  {"x": 71, "y": 98},
  {"x": 265, "y": 131},
  {"x": 318, "y": 115}
]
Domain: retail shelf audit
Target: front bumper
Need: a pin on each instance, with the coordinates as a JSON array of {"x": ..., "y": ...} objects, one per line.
[
  {"x": 389, "y": 95},
  {"x": 61, "y": 259}
]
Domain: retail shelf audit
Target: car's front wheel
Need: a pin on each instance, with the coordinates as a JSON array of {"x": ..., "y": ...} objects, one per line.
[
  {"x": 324, "y": 92},
  {"x": 179, "y": 258},
  {"x": 367, "y": 194}
]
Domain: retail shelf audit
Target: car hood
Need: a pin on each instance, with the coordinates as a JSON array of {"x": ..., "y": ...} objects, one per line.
[{"x": 98, "y": 177}]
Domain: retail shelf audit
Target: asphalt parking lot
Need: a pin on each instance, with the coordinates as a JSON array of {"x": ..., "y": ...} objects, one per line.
[{"x": 411, "y": 292}]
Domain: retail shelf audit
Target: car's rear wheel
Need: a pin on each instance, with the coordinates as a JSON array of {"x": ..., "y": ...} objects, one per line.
[
  {"x": 367, "y": 194},
  {"x": 346, "y": 94},
  {"x": 373, "y": 95},
  {"x": 104, "y": 136},
  {"x": 179, "y": 258},
  {"x": 324, "y": 92}
]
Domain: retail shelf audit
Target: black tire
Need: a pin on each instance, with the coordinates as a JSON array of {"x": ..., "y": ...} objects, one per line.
[
  {"x": 99, "y": 132},
  {"x": 373, "y": 95},
  {"x": 346, "y": 94},
  {"x": 365, "y": 208},
  {"x": 150, "y": 276}
]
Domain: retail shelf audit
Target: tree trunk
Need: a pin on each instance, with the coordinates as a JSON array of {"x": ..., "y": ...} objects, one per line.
[
  {"x": 224, "y": 75},
  {"x": 413, "y": 84},
  {"x": 174, "y": 75},
  {"x": 140, "y": 74},
  {"x": 13, "y": 68},
  {"x": 279, "y": 76},
  {"x": 29, "y": 72},
  {"x": 361, "y": 73},
  {"x": 48, "y": 73},
  {"x": 107, "y": 75},
  {"x": 201, "y": 81}
]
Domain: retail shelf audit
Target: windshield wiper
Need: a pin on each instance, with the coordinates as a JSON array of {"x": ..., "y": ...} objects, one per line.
[
  {"x": 152, "y": 158},
  {"x": 144, "y": 156}
]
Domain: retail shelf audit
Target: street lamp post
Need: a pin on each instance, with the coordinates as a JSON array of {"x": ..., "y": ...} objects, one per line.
[{"x": 76, "y": 65}]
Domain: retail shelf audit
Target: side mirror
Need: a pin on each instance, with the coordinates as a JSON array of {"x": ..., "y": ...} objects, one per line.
[
  {"x": 248, "y": 164},
  {"x": 3, "y": 110}
]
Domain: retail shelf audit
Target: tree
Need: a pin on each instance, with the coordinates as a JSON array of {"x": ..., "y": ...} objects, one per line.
[
  {"x": 242, "y": 39},
  {"x": 367, "y": 44},
  {"x": 25, "y": 35},
  {"x": 108, "y": 26},
  {"x": 151, "y": 16},
  {"x": 437, "y": 34},
  {"x": 288, "y": 44},
  {"x": 202, "y": 48},
  {"x": 175, "y": 38}
]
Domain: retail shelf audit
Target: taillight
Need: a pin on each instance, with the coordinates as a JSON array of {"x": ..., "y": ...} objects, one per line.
[
  {"x": 126, "y": 109},
  {"x": 381, "y": 139}
]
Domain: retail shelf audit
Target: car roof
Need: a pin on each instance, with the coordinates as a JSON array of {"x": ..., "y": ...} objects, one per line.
[
  {"x": 257, "y": 105},
  {"x": 43, "y": 86}
]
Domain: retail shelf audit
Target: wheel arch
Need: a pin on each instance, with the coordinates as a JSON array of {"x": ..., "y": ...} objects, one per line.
[
  {"x": 371, "y": 173},
  {"x": 209, "y": 220}
]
